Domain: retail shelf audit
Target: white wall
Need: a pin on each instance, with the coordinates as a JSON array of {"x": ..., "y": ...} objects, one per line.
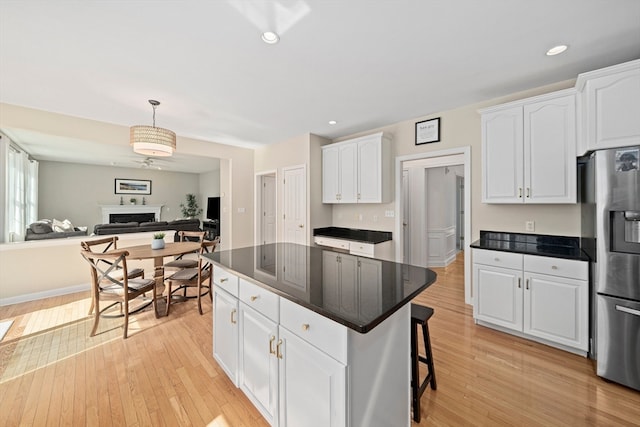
[{"x": 76, "y": 191}]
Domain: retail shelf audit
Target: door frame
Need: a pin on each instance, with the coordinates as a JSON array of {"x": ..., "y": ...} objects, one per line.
[
  {"x": 258, "y": 204},
  {"x": 466, "y": 152}
]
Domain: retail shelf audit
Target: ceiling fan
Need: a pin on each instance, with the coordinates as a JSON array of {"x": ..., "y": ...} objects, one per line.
[{"x": 149, "y": 163}]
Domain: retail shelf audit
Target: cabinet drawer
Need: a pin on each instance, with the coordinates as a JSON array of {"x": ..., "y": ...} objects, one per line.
[
  {"x": 497, "y": 258},
  {"x": 359, "y": 248},
  {"x": 260, "y": 299},
  {"x": 323, "y": 333},
  {"x": 331, "y": 242},
  {"x": 225, "y": 280},
  {"x": 571, "y": 269}
]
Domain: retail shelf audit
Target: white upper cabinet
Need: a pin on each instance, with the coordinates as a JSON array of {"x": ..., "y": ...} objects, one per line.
[
  {"x": 550, "y": 151},
  {"x": 357, "y": 170},
  {"x": 610, "y": 107},
  {"x": 502, "y": 156},
  {"x": 529, "y": 150}
]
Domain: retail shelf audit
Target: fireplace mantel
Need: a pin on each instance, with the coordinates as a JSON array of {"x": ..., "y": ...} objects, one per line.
[{"x": 129, "y": 209}]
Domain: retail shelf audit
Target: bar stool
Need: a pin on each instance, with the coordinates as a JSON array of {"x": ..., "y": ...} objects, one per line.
[{"x": 420, "y": 315}]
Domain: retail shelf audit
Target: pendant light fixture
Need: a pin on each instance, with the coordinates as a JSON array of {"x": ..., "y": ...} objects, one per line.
[{"x": 152, "y": 141}]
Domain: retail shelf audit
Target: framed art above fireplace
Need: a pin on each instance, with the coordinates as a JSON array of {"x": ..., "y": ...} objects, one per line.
[{"x": 132, "y": 186}]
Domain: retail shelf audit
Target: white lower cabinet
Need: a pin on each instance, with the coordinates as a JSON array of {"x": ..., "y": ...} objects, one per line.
[
  {"x": 300, "y": 368},
  {"x": 540, "y": 297},
  {"x": 258, "y": 365},
  {"x": 312, "y": 385},
  {"x": 225, "y": 340}
]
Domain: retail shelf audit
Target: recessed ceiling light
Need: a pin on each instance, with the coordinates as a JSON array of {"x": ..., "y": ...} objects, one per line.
[
  {"x": 332, "y": 122},
  {"x": 556, "y": 50},
  {"x": 270, "y": 37}
]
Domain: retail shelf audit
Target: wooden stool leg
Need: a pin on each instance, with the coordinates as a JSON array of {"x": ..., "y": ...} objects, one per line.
[
  {"x": 415, "y": 393},
  {"x": 429, "y": 355}
]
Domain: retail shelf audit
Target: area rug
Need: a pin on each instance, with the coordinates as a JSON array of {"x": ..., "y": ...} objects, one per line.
[
  {"x": 25, "y": 354},
  {"x": 4, "y": 327}
]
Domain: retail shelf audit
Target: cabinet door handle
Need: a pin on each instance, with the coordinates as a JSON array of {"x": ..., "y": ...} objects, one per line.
[
  {"x": 224, "y": 279},
  {"x": 232, "y": 319},
  {"x": 528, "y": 192},
  {"x": 253, "y": 297},
  {"x": 278, "y": 352},
  {"x": 527, "y": 284},
  {"x": 358, "y": 196},
  {"x": 301, "y": 226},
  {"x": 519, "y": 282},
  {"x": 305, "y": 326},
  {"x": 496, "y": 259},
  {"x": 271, "y": 349},
  {"x": 554, "y": 267},
  {"x": 519, "y": 192}
]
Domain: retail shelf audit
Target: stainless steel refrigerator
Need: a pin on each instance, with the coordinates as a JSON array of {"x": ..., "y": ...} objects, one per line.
[{"x": 610, "y": 189}]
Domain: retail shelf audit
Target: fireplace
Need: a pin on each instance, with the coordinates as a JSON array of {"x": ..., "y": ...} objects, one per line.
[
  {"x": 128, "y": 213},
  {"x": 131, "y": 217}
]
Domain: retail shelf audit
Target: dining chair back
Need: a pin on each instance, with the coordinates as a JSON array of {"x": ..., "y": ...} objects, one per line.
[
  {"x": 108, "y": 244},
  {"x": 181, "y": 262},
  {"x": 194, "y": 277},
  {"x": 106, "y": 286}
]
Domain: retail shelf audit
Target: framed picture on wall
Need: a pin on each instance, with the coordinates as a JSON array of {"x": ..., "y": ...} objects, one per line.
[
  {"x": 132, "y": 186},
  {"x": 428, "y": 131}
]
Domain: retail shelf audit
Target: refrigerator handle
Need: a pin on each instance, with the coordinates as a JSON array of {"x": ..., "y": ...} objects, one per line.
[{"x": 628, "y": 310}]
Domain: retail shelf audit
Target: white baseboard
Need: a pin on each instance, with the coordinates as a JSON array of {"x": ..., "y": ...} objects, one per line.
[{"x": 44, "y": 294}]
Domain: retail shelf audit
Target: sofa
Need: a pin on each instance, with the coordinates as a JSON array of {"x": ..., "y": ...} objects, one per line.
[
  {"x": 144, "y": 227},
  {"x": 47, "y": 229}
]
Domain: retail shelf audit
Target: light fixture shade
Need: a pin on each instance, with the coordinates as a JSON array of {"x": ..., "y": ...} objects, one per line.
[{"x": 152, "y": 141}]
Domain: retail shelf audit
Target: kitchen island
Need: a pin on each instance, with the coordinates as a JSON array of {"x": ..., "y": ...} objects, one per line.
[{"x": 315, "y": 337}]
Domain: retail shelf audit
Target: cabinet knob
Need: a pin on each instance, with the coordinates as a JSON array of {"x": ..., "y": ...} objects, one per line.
[
  {"x": 305, "y": 326},
  {"x": 301, "y": 225},
  {"x": 496, "y": 259},
  {"x": 253, "y": 297},
  {"x": 224, "y": 279},
  {"x": 554, "y": 267}
]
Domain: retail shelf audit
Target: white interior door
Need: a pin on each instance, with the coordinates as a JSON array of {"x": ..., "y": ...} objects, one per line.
[
  {"x": 295, "y": 205},
  {"x": 268, "y": 200}
]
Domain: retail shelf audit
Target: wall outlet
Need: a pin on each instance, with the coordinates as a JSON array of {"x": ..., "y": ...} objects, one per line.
[
  {"x": 375, "y": 218},
  {"x": 389, "y": 214},
  {"x": 530, "y": 226}
]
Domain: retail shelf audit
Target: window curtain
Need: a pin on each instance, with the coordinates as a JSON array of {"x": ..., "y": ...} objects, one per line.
[{"x": 21, "y": 194}]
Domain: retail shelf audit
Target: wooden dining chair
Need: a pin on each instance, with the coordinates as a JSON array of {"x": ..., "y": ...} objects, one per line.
[
  {"x": 180, "y": 262},
  {"x": 194, "y": 277},
  {"x": 104, "y": 286},
  {"x": 108, "y": 244}
]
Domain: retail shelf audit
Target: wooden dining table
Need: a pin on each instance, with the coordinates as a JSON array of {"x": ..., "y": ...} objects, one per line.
[{"x": 171, "y": 249}]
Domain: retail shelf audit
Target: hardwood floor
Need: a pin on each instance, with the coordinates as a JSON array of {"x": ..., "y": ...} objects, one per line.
[{"x": 53, "y": 373}]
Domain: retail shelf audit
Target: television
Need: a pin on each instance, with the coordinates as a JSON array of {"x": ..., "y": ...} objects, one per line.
[{"x": 213, "y": 208}]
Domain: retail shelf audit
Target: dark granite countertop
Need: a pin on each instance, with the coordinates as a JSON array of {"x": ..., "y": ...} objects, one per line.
[
  {"x": 307, "y": 276},
  {"x": 532, "y": 244},
  {"x": 365, "y": 236}
]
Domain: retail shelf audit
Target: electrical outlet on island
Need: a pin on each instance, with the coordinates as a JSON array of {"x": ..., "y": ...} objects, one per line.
[{"x": 530, "y": 226}]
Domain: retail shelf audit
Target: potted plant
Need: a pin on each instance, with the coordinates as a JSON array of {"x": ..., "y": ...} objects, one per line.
[
  {"x": 191, "y": 209},
  {"x": 133, "y": 200},
  {"x": 158, "y": 241}
]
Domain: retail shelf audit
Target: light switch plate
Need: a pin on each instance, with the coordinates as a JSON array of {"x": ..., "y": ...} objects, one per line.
[{"x": 389, "y": 214}]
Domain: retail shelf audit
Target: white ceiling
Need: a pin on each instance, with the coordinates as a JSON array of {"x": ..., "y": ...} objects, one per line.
[{"x": 364, "y": 63}]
